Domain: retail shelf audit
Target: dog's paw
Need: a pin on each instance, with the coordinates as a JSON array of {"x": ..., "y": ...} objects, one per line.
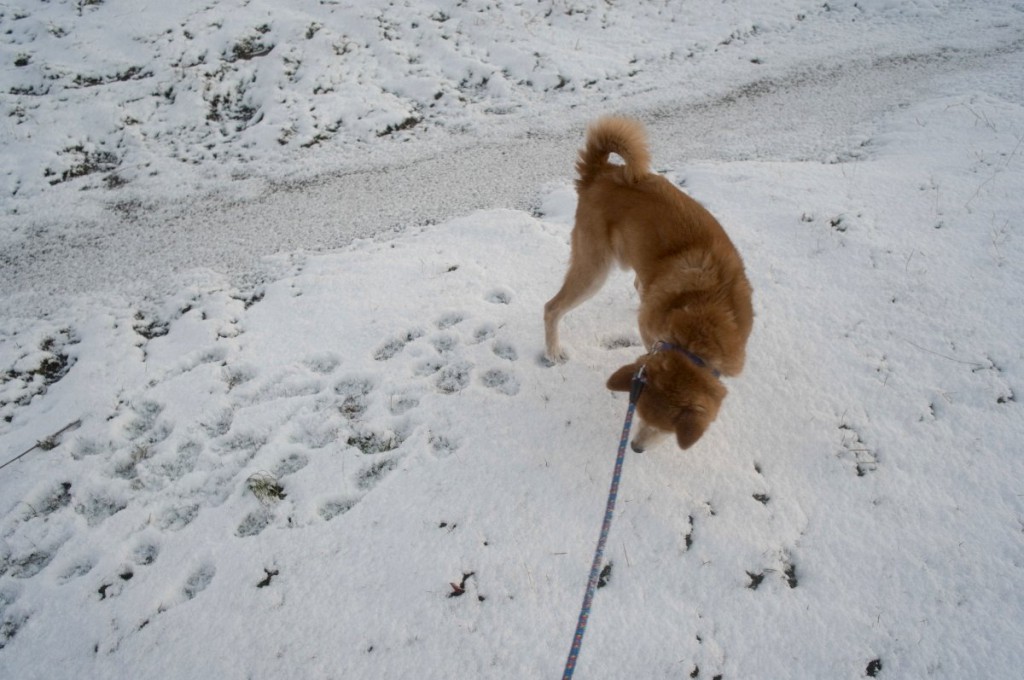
[{"x": 549, "y": 358}]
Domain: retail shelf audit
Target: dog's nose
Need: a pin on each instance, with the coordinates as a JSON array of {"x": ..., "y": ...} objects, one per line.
[{"x": 637, "y": 448}]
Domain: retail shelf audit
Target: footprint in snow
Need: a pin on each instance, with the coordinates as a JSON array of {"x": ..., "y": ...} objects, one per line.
[
  {"x": 372, "y": 475},
  {"x": 29, "y": 563},
  {"x": 323, "y": 363},
  {"x": 184, "y": 461},
  {"x": 145, "y": 553},
  {"x": 217, "y": 354},
  {"x": 450, "y": 319},
  {"x": 78, "y": 567},
  {"x": 218, "y": 423},
  {"x": 10, "y": 624},
  {"x": 505, "y": 350},
  {"x": 145, "y": 418},
  {"x": 485, "y": 332},
  {"x": 428, "y": 366},
  {"x": 238, "y": 374},
  {"x": 55, "y": 498},
  {"x": 392, "y": 347},
  {"x": 198, "y": 581},
  {"x": 354, "y": 392},
  {"x": 453, "y": 377},
  {"x": 856, "y": 452},
  {"x": 620, "y": 342},
  {"x": 499, "y": 296},
  {"x": 255, "y": 522},
  {"x": 332, "y": 508},
  {"x": 401, "y": 403},
  {"x": 290, "y": 465},
  {"x": 501, "y": 381},
  {"x": 315, "y": 430},
  {"x": 177, "y": 517},
  {"x": 371, "y": 441},
  {"x": 98, "y": 506},
  {"x": 443, "y": 445},
  {"x": 444, "y": 343}
]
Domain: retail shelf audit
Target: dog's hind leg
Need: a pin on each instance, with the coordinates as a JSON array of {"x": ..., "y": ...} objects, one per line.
[{"x": 588, "y": 270}]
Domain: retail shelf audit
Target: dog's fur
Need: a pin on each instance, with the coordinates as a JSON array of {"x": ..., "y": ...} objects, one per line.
[{"x": 693, "y": 290}]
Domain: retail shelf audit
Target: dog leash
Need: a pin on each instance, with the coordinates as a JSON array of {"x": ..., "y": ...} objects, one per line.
[{"x": 639, "y": 380}]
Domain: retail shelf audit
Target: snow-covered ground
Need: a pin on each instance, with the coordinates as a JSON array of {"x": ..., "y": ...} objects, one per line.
[{"x": 304, "y": 252}]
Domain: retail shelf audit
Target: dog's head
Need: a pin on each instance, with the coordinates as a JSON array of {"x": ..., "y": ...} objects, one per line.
[{"x": 678, "y": 397}]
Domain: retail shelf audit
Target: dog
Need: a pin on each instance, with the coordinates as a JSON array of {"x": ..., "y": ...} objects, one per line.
[{"x": 695, "y": 310}]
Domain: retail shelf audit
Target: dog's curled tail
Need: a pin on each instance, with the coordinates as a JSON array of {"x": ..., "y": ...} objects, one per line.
[{"x": 613, "y": 134}]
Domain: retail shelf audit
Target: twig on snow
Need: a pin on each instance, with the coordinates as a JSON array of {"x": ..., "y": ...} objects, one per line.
[
  {"x": 46, "y": 444},
  {"x": 973, "y": 364}
]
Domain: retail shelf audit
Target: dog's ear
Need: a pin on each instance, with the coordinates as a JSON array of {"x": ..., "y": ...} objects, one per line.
[
  {"x": 690, "y": 425},
  {"x": 622, "y": 379}
]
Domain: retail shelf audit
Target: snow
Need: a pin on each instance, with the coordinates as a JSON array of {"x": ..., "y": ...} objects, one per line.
[{"x": 272, "y": 279}]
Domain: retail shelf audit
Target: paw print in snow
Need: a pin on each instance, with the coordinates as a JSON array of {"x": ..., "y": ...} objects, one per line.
[
  {"x": 392, "y": 347},
  {"x": 454, "y": 377},
  {"x": 501, "y": 381},
  {"x": 499, "y": 296},
  {"x": 505, "y": 350}
]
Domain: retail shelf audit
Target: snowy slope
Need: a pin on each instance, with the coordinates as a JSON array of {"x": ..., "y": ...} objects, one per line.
[
  {"x": 108, "y": 93},
  {"x": 855, "y": 511},
  {"x": 157, "y": 185}
]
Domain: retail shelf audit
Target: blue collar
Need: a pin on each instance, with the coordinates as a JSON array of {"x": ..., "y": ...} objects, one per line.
[{"x": 694, "y": 358}]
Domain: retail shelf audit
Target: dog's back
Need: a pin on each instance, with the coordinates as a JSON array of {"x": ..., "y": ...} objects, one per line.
[{"x": 642, "y": 216}]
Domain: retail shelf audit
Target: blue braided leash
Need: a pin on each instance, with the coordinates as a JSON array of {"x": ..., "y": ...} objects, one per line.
[{"x": 639, "y": 380}]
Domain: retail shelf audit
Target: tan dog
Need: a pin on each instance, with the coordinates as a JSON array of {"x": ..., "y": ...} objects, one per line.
[{"x": 695, "y": 311}]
